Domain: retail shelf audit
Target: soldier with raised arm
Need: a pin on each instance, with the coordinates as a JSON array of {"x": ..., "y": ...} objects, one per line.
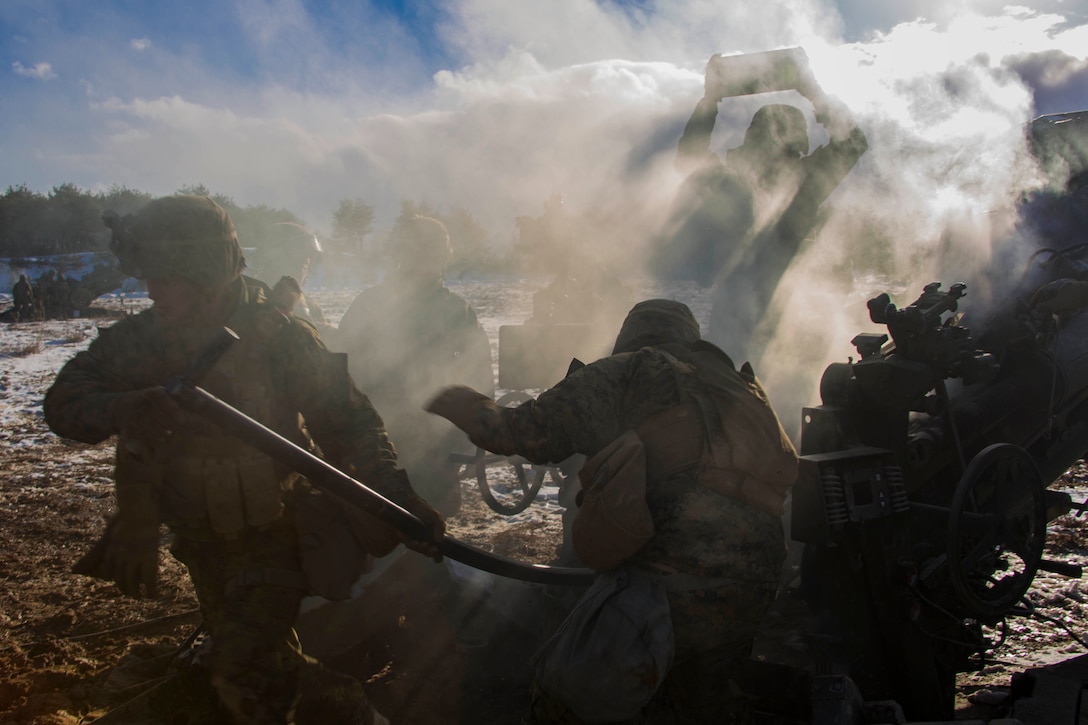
[{"x": 739, "y": 224}]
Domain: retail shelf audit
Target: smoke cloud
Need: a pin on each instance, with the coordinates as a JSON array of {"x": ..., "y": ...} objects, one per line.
[{"x": 496, "y": 106}]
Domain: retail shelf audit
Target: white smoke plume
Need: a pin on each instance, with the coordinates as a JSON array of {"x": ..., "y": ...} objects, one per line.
[{"x": 576, "y": 97}]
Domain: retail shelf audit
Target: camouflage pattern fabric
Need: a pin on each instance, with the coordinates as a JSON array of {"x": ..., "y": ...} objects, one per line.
[
  {"x": 307, "y": 379},
  {"x": 738, "y": 549},
  {"x": 256, "y": 656}
]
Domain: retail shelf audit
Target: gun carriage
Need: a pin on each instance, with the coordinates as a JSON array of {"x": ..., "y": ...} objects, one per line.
[
  {"x": 532, "y": 356},
  {"x": 923, "y": 497}
]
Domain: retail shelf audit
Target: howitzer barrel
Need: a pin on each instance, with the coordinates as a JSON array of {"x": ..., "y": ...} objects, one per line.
[{"x": 331, "y": 479}]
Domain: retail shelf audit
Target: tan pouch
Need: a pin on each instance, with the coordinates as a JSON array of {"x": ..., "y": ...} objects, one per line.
[
  {"x": 613, "y": 521},
  {"x": 374, "y": 535},
  {"x": 337, "y": 542}
]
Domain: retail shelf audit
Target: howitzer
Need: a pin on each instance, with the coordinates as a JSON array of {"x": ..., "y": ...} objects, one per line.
[
  {"x": 923, "y": 495},
  {"x": 328, "y": 478}
]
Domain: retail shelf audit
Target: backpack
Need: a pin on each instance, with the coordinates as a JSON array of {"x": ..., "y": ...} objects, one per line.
[{"x": 749, "y": 456}]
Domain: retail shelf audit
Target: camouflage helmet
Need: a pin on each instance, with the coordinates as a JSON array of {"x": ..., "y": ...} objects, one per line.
[
  {"x": 656, "y": 322},
  {"x": 190, "y": 237},
  {"x": 286, "y": 249},
  {"x": 293, "y": 239},
  {"x": 423, "y": 241}
]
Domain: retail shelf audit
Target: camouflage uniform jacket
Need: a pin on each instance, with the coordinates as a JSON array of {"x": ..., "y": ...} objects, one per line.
[
  {"x": 698, "y": 531},
  {"x": 286, "y": 379}
]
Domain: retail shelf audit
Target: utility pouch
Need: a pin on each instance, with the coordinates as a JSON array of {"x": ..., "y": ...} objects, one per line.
[
  {"x": 260, "y": 490},
  {"x": 223, "y": 495},
  {"x": 613, "y": 521},
  {"x": 613, "y": 651},
  {"x": 181, "y": 496},
  {"x": 337, "y": 542}
]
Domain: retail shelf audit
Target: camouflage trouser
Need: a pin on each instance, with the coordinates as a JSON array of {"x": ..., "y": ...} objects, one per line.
[{"x": 249, "y": 605}]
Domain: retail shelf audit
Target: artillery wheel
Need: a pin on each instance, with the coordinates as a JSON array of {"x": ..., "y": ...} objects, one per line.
[
  {"x": 529, "y": 478},
  {"x": 996, "y": 531}
]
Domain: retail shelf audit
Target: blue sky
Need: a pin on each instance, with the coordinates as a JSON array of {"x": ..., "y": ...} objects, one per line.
[{"x": 496, "y": 104}]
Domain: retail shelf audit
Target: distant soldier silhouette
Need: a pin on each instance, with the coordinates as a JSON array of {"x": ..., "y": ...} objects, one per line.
[
  {"x": 62, "y": 297},
  {"x": 46, "y": 295},
  {"x": 22, "y": 295}
]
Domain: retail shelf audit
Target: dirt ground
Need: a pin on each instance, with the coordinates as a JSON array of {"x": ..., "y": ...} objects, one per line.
[
  {"x": 73, "y": 649},
  {"x": 63, "y": 636}
]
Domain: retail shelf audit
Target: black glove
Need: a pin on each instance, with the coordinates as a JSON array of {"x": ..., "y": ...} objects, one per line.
[
  {"x": 148, "y": 414},
  {"x": 127, "y": 554},
  {"x": 477, "y": 415},
  {"x": 427, "y": 514},
  {"x": 460, "y": 405}
]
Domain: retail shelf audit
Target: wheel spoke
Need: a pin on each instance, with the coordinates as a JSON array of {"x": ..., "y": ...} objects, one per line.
[{"x": 994, "y": 536}]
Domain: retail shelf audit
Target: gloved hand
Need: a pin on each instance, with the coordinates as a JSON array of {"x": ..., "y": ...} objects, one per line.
[
  {"x": 148, "y": 414},
  {"x": 477, "y": 415},
  {"x": 1061, "y": 295},
  {"x": 460, "y": 405},
  {"x": 426, "y": 513},
  {"x": 127, "y": 554}
]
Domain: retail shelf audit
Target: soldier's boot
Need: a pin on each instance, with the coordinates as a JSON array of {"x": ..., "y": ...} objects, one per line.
[
  {"x": 329, "y": 696},
  {"x": 248, "y": 708}
]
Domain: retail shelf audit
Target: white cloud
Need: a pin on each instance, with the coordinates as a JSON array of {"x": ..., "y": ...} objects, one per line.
[
  {"x": 568, "y": 96},
  {"x": 42, "y": 71},
  {"x": 139, "y": 44}
]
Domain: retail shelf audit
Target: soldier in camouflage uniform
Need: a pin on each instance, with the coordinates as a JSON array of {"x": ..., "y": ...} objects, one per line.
[
  {"x": 22, "y": 295},
  {"x": 429, "y": 337},
  {"x": 231, "y": 509},
  {"x": 46, "y": 295},
  {"x": 718, "y": 537},
  {"x": 289, "y": 249}
]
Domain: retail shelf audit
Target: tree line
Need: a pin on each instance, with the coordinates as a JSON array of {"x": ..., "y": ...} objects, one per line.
[{"x": 68, "y": 220}]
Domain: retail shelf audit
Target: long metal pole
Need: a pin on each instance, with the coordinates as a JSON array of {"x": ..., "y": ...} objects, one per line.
[{"x": 328, "y": 478}]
